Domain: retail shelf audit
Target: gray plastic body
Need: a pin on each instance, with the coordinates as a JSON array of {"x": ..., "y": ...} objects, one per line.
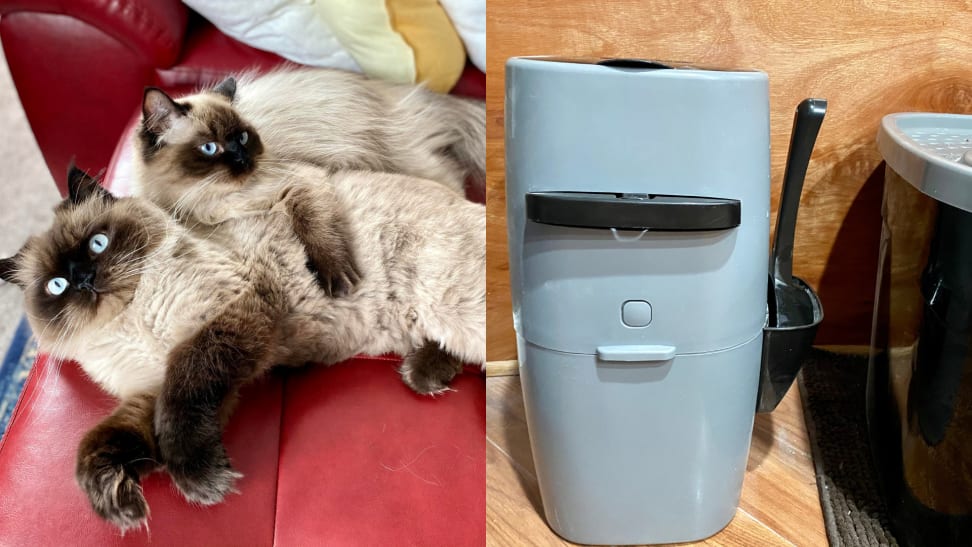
[
  {"x": 640, "y": 434},
  {"x": 640, "y": 452}
]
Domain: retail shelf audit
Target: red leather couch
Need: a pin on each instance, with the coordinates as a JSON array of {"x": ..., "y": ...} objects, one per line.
[{"x": 342, "y": 455}]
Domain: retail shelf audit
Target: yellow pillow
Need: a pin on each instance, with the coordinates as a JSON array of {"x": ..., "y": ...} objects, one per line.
[
  {"x": 439, "y": 53},
  {"x": 398, "y": 40}
]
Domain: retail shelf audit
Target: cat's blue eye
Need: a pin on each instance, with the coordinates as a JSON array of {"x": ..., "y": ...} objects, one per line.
[
  {"x": 98, "y": 243},
  {"x": 57, "y": 285},
  {"x": 244, "y": 137},
  {"x": 210, "y": 148}
]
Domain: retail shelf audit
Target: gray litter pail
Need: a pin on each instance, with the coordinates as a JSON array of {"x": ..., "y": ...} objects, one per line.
[{"x": 638, "y": 216}]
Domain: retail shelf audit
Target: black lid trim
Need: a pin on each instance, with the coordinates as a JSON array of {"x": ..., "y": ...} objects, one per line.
[{"x": 633, "y": 211}]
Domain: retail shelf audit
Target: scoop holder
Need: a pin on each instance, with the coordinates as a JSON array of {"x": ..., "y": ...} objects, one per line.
[{"x": 795, "y": 310}]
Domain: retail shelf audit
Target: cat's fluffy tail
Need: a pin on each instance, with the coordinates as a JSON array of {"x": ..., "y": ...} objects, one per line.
[{"x": 468, "y": 123}]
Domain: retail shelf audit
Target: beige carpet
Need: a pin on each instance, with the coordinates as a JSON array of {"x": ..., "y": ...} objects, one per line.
[{"x": 28, "y": 194}]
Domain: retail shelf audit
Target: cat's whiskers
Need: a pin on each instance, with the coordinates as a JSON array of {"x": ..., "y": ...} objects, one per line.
[
  {"x": 50, "y": 323},
  {"x": 66, "y": 334}
]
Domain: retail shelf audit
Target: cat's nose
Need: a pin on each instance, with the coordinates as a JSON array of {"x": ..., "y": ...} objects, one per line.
[
  {"x": 82, "y": 277},
  {"x": 239, "y": 156}
]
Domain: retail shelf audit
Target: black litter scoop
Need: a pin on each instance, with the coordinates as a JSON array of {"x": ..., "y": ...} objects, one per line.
[{"x": 794, "y": 308}]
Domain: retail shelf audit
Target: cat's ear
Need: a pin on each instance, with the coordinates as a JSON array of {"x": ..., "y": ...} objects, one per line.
[
  {"x": 159, "y": 111},
  {"x": 82, "y": 186},
  {"x": 9, "y": 267},
  {"x": 227, "y": 88}
]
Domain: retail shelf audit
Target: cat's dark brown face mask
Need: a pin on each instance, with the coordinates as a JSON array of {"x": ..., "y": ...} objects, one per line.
[
  {"x": 202, "y": 139},
  {"x": 86, "y": 268}
]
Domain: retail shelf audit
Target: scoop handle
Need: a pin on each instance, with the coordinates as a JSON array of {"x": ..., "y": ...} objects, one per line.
[{"x": 806, "y": 124}]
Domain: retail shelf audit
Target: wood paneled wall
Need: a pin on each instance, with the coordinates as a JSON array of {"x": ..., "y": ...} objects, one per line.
[{"x": 867, "y": 58}]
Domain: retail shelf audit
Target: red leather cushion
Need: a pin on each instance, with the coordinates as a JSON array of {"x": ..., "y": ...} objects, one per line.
[
  {"x": 472, "y": 83},
  {"x": 365, "y": 461},
  {"x": 154, "y": 29}
]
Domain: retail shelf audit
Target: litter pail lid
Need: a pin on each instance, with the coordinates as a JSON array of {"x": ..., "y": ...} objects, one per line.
[{"x": 933, "y": 152}]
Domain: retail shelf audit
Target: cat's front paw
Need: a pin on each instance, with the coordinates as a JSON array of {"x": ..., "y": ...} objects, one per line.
[
  {"x": 111, "y": 485},
  {"x": 337, "y": 274},
  {"x": 206, "y": 480},
  {"x": 116, "y": 496}
]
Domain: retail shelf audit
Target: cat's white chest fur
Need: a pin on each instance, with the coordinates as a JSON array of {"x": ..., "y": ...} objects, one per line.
[{"x": 125, "y": 361}]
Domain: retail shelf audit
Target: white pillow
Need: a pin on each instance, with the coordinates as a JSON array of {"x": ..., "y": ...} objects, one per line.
[{"x": 293, "y": 29}]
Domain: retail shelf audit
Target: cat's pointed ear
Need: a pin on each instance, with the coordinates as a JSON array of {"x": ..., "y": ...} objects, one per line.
[
  {"x": 227, "y": 88},
  {"x": 159, "y": 111},
  {"x": 82, "y": 186},
  {"x": 9, "y": 267}
]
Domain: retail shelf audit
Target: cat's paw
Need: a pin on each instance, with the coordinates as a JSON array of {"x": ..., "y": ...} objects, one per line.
[
  {"x": 109, "y": 462},
  {"x": 206, "y": 481},
  {"x": 428, "y": 370},
  {"x": 115, "y": 494},
  {"x": 337, "y": 275}
]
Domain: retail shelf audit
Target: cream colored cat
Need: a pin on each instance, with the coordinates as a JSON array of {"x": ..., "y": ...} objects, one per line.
[
  {"x": 200, "y": 159},
  {"x": 192, "y": 155},
  {"x": 325, "y": 117},
  {"x": 173, "y": 321}
]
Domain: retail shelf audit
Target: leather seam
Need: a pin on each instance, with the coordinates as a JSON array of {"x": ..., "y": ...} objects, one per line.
[{"x": 276, "y": 476}]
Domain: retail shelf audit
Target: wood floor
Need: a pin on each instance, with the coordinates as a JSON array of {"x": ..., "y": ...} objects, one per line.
[{"x": 780, "y": 504}]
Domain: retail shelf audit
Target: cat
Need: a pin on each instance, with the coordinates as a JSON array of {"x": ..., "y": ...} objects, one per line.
[
  {"x": 140, "y": 301},
  {"x": 330, "y": 118},
  {"x": 325, "y": 117},
  {"x": 213, "y": 193}
]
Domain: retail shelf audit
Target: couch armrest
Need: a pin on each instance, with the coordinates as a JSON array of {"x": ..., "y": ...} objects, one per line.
[
  {"x": 80, "y": 67},
  {"x": 155, "y": 29}
]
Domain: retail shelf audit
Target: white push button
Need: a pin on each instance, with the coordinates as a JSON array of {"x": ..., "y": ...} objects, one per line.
[{"x": 636, "y": 313}]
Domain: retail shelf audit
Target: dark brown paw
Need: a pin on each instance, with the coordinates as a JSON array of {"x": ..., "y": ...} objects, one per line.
[
  {"x": 428, "y": 370},
  {"x": 337, "y": 276},
  {"x": 108, "y": 465},
  {"x": 116, "y": 496},
  {"x": 205, "y": 480}
]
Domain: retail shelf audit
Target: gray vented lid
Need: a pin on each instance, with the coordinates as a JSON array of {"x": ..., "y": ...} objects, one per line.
[{"x": 933, "y": 152}]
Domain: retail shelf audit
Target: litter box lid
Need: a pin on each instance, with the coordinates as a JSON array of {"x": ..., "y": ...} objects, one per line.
[{"x": 933, "y": 152}]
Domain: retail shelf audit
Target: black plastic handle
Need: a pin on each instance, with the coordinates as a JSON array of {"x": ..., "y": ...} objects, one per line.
[
  {"x": 807, "y": 119},
  {"x": 632, "y": 211}
]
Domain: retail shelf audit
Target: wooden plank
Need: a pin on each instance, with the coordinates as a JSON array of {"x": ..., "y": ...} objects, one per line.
[
  {"x": 868, "y": 59},
  {"x": 780, "y": 489},
  {"x": 779, "y": 505},
  {"x": 502, "y": 368}
]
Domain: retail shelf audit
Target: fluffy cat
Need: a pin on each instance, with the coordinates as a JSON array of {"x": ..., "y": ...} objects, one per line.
[
  {"x": 196, "y": 150},
  {"x": 173, "y": 322},
  {"x": 219, "y": 154},
  {"x": 330, "y": 118}
]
